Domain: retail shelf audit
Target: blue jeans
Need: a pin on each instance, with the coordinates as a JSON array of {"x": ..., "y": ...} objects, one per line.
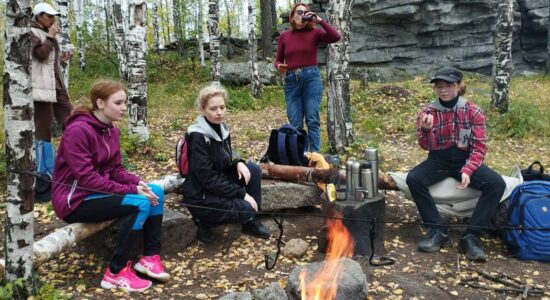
[{"x": 303, "y": 93}]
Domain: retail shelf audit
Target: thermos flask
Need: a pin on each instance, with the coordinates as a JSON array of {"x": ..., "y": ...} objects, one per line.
[{"x": 371, "y": 156}]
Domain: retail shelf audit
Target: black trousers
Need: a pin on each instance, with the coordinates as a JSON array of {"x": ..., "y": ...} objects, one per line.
[
  {"x": 232, "y": 205},
  {"x": 110, "y": 208},
  {"x": 443, "y": 164}
]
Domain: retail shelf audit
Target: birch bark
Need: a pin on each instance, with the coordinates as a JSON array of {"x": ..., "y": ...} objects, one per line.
[
  {"x": 119, "y": 13},
  {"x": 137, "y": 73},
  {"x": 339, "y": 123},
  {"x": 79, "y": 19},
  {"x": 156, "y": 42},
  {"x": 255, "y": 85},
  {"x": 213, "y": 18},
  {"x": 19, "y": 140},
  {"x": 64, "y": 38},
  {"x": 502, "y": 67},
  {"x": 200, "y": 37}
]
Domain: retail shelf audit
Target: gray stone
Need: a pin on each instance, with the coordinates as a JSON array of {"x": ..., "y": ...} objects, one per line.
[
  {"x": 295, "y": 248},
  {"x": 239, "y": 73},
  {"x": 237, "y": 296},
  {"x": 280, "y": 195},
  {"x": 351, "y": 283},
  {"x": 272, "y": 292}
]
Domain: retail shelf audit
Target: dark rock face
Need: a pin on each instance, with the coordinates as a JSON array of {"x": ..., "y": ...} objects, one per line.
[{"x": 419, "y": 36}]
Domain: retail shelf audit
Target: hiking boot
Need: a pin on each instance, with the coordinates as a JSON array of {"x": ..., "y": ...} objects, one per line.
[
  {"x": 435, "y": 240},
  {"x": 257, "y": 229},
  {"x": 152, "y": 267},
  {"x": 471, "y": 246},
  {"x": 204, "y": 233},
  {"x": 126, "y": 280}
]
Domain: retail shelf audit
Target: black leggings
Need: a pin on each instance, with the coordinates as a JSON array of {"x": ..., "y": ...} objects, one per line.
[{"x": 110, "y": 208}]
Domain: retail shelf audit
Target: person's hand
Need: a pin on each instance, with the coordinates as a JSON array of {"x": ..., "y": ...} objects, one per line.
[
  {"x": 465, "y": 182},
  {"x": 54, "y": 30},
  {"x": 243, "y": 172},
  {"x": 282, "y": 68},
  {"x": 252, "y": 202},
  {"x": 315, "y": 18},
  {"x": 145, "y": 190},
  {"x": 65, "y": 56},
  {"x": 427, "y": 121}
]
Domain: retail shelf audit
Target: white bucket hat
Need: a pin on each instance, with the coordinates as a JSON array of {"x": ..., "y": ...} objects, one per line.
[{"x": 44, "y": 8}]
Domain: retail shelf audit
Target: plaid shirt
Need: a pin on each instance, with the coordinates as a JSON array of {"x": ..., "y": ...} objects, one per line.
[{"x": 462, "y": 126}]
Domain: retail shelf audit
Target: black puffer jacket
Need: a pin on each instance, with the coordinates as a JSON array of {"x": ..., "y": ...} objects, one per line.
[{"x": 212, "y": 170}]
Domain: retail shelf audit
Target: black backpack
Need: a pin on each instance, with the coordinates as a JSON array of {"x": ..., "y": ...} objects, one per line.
[
  {"x": 287, "y": 146},
  {"x": 530, "y": 174}
]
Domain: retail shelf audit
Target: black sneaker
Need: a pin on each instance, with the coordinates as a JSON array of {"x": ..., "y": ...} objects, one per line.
[
  {"x": 204, "y": 233},
  {"x": 471, "y": 246},
  {"x": 435, "y": 240},
  {"x": 257, "y": 229}
]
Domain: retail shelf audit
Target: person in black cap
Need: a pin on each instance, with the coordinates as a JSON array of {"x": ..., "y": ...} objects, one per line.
[{"x": 453, "y": 130}]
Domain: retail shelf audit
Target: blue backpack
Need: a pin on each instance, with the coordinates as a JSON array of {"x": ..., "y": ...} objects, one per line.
[
  {"x": 530, "y": 211},
  {"x": 287, "y": 146}
]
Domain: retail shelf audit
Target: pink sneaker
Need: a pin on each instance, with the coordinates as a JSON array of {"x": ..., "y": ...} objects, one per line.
[
  {"x": 152, "y": 267},
  {"x": 126, "y": 280}
]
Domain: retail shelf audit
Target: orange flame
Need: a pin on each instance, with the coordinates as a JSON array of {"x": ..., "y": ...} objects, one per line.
[{"x": 324, "y": 285}]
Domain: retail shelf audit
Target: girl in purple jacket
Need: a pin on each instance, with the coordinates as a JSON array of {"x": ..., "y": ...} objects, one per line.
[{"x": 91, "y": 185}]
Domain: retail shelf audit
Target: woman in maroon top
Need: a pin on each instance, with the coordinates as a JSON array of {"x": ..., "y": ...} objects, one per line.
[{"x": 297, "y": 59}]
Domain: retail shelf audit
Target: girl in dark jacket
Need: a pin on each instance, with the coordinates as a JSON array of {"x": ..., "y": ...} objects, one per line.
[
  {"x": 90, "y": 185},
  {"x": 215, "y": 178}
]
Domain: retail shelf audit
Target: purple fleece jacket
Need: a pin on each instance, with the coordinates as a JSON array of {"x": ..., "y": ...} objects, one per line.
[{"x": 88, "y": 162}]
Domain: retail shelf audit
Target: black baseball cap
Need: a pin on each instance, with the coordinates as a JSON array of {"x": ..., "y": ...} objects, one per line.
[{"x": 451, "y": 75}]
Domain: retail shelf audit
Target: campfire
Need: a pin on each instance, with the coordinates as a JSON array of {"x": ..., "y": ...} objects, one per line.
[{"x": 323, "y": 284}]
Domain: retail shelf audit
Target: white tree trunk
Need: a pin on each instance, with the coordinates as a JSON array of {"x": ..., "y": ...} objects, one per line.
[
  {"x": 178, "y": 26},
  {"x": 200, "y": 38},
  {"x": 107, "y": 10},
  {"x": 339, "y": 123},
  {"x": 64, "y": 38},
  {"x": 62, "y": 239},
  {"x": 228, "y": 38},
  {"x": 502, "y": 67},
  {"x": 19, "y": 139},
  {"x": 79, "y": 18},
  {"x": 255, "y": 84},
  {"x": 137, "y": 73},
  {"x": 156, "y": 41},
  {"x": 213, "y": 17},
  {"x": 119, "y": 13}
]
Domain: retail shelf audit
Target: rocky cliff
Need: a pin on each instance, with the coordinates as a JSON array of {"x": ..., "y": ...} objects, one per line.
[{"x": 418, "y": 36}]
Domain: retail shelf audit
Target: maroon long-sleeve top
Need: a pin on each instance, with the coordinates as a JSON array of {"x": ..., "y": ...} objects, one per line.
[{"x": 298, "y": 48}]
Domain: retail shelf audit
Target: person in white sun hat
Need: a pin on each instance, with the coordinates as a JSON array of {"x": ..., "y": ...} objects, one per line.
[{"x": 50, "y": 95}]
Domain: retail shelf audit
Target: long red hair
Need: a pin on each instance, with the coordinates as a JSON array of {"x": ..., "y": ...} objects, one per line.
[{"x": 102, "y": 89}]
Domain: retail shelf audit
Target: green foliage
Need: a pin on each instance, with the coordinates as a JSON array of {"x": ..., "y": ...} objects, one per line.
[
  {"x": 129, "y": 143},
  {"x": 17, "y": 290},
  {"x": 240, "y": 99}
]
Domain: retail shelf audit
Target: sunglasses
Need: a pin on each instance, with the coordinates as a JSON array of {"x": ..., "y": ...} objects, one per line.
[{"x": 301, "y": 12}]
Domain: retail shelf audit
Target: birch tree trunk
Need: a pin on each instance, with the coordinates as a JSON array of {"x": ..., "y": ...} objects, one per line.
[
  {"x": 255, "y": 85},
  {"x": 228, "y": 9},
  {"x": 265, "y": 16},
  {"x": 79, "y": 18},
  {"x": 163, "y": 24},
  {"x": 119, "y": 14},
  {"x": 339, "y": 123},
  {"x": 156, "y": 27},
  {"x": 178, "y": 26},
  {"x": 19, "y": 139},
  {"x": 64, "y": 38},
  {"x": 502, "y": 68},
  {"x": 137, "y": 73},
  {"x": 213, "y": 17},
  {"x": 106, "y": 9},
  {"x": 200, "y": 38},
  {"x": 168, "y": 22}
]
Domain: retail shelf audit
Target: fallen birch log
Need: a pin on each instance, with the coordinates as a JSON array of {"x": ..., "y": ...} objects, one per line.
[{"x": 66, "y": 237}]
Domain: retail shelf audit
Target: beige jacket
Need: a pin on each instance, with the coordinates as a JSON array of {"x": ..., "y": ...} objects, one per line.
[{"x": 43, "y": 71}]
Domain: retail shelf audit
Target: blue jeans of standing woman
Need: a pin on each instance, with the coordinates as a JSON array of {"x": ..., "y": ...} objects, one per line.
[{"x": 303, "y": 93}]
